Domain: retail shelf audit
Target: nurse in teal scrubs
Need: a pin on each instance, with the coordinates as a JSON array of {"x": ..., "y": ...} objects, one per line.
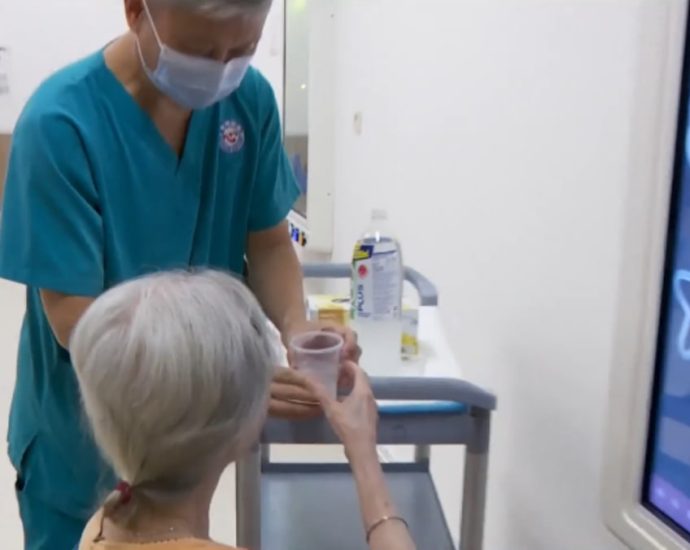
[{"x": 162, "y": 151}]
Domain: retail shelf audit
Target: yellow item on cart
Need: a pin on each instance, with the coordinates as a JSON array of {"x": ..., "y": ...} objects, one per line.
[{"x": 336, "y": 309}]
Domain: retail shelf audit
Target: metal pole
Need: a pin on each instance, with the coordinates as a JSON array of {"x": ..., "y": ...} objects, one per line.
[
  {"x": 248, "y": 500},
  {"x": 422, "y": 454},
  {"x": 265, "y": 454},
  {"x": 474, "y": 489}
]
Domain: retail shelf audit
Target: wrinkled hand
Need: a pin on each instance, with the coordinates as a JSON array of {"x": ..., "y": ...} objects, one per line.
[
  {"x": 292, "y": 397},
  {"x": 351, "y": 350},
  {"x": 354, "y": 419}
]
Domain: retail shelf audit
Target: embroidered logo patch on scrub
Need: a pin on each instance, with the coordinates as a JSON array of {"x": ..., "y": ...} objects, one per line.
[{"x": 231, "y": 136}]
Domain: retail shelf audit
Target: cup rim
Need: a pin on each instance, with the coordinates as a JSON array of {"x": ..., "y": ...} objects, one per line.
[{"x": 294, "y": 343}]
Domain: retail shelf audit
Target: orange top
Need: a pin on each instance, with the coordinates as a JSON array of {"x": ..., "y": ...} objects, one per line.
[{"x": 89, "y": 542}]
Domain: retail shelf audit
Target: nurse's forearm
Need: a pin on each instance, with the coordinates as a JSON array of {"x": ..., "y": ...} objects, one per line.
[
  {"x": 275, "y": 276},
  {"x": 63, "y": 313}
]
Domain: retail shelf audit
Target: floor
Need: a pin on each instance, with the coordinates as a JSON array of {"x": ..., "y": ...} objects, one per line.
[{"x": 446, "y": 463}]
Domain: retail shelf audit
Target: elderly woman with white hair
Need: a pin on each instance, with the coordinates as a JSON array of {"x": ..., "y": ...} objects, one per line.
[
  {"x": 163, "y": 150},
  {"x": 175, "y": 372}
]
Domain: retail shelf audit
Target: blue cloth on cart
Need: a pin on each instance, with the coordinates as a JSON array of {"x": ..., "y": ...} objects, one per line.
[{"x": 431, "y": 407}]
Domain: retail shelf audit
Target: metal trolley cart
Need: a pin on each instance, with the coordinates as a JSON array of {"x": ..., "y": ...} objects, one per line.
[{"x": 286, "y": 506}]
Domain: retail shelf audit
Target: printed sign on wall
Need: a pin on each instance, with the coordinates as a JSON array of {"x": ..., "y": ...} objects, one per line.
[{"x": 4, "y": 70}]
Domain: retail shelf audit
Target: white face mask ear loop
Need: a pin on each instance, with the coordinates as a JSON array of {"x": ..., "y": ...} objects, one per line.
[{"x": 153, "y": 25}]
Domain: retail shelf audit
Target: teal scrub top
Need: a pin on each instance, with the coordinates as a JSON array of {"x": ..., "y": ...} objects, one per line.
[{"x": 95, "y": 196}]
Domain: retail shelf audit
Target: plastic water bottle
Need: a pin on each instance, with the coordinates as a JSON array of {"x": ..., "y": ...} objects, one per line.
[{"x": 376, "y": 297}]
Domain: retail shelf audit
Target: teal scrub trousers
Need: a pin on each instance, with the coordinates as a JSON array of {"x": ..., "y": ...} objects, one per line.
[{"x": 46, "y": 528}]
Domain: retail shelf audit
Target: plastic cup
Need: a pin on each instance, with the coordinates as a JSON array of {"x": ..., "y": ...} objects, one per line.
[{"x": 317, "y": 356}]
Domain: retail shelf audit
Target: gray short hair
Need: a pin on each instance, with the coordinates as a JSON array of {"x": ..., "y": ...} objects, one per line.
[
  {"x": 221, "y": 8},
  {"x": 174, "y": 371}
]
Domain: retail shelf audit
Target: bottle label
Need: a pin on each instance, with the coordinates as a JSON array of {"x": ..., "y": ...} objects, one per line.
[{"x": 377, "y": 281}]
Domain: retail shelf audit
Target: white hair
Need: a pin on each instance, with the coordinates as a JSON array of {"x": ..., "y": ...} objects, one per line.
[
  {"x": 174, "y": 371},
  {"x": 220, "y": 8}
]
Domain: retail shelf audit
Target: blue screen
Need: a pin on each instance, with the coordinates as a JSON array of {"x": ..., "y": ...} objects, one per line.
[{"x": 667, "y": 483}]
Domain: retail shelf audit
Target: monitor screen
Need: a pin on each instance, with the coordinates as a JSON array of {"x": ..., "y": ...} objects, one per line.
[{"x": 666, "y": 490}]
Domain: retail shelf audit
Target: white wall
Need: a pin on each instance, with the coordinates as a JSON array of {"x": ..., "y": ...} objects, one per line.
[
  {"x": 45, "y": 36},
  {"x": 11, "y": 309},
  {"x": 296, "y": 67},
  {"x": 496, "y": 134}
]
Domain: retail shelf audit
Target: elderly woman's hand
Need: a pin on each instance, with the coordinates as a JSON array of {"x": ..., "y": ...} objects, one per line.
[
  {"x": 291, "y": 396},
  {"x": 355, "y": 418}
]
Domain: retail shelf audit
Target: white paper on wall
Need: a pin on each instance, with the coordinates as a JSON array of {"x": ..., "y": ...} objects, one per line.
[{"x": 4, "y": 70}]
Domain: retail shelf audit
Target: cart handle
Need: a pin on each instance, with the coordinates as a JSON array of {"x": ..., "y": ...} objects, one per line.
[
  {"x": 428, "y": 294},
  {"x": 432, "y": 389}
]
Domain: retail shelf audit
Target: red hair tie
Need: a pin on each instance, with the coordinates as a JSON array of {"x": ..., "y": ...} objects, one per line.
[{"x": 125, "y": 490}]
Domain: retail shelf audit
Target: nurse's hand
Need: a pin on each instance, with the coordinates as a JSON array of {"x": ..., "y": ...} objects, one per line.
[
  {"x": 292, "y": 397},
  {"x": 351, "y": 350}
]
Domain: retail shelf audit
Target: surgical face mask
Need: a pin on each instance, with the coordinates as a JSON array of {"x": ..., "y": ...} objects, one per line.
[{"x": 193, "y": 82}]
